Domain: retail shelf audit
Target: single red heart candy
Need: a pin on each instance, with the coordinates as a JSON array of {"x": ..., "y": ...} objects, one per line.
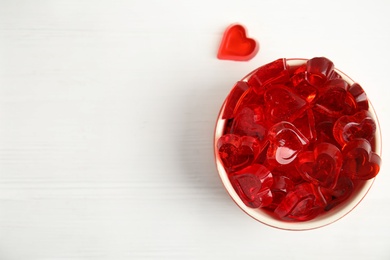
[
  {"x": 360, "y": 96},
  {"x": 359, "y": 125},
  {"x": 339, "y": 193},
  {"x": 250, "y": 121},
  {"x": 321, "y": 166},
  {"x": 336, "y": 102},
  {"x": 319, "y": 69},
  {"x": 286, "y": 141},
  {"x": 280, "y": 187},
  {"x": 283, "y": 105},
  {"x": 301, "y": 204},
  {"x": 276, "y": 72},
  {"x": 253, "y": 185},
  {"x": 359, "y": 161},
  {"x": 235, "y": 45},
  {"x": 237, "y": 152}
]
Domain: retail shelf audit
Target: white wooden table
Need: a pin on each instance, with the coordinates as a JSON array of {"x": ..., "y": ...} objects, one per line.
[{"x": 107, "y": 112}]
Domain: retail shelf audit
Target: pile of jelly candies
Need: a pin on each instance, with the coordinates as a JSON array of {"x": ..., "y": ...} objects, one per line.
[{"x": 297, "y": 140}]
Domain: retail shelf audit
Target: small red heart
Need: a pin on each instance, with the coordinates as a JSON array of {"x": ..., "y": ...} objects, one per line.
[
  {"x": 286, "y": 141},
  {"x": 235, "y": 45},
  {"x": 321, "y": 166},
  {"x": 359, "y": 125},
  {"x": 283, "y": 105},
  {"x": 359, "y": 161},
  {"x": 304, "y": 202},
  {"x": 237, "y": 152},
  {"x": 253, "y": 185}
]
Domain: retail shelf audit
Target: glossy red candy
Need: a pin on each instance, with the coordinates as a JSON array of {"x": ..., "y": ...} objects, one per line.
[
  {"x": 359, "y": 161},
  {"x": 339, "y": 193},
  {"x": 303, "y": 203},
  {"x": 319, "y": 70},
  {"x": 235, "y": 45},
  {"x": 321, "y": 166},
  {"x": 250, "y": 121},
  {"x": 359, "y": 125},
  {"x": 297, "y": 141},
  {"x": 359, "y": 95},
  {"x": 336, "y": 101},
  {"x": 281, "y": 186},
  {"x": 281, "y": 104},
  {"x": 285, "y": 143},
  {"x": 271, "y": 73},
  {"x": 231, "y": 101},
  {"x": 237, "y": 152},
  {"x": 253, "y": 185}
]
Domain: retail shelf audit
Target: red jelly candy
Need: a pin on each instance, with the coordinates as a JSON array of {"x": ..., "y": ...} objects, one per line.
[
  {"x": 285, "y": 143},
  {"x": 339, "y": 193},
  {"x": 253, "y": 185},
  {"x": 306, "y": 125},
  {"x": 231, "y": 101},
  {"x": 359, "y": 161},
  {"x": 235, "y": 45},
  {"x": 282, "y": 104},
  {"x": 359, "y": 125},
  {"x": 359, "y": 95},
  {"x": 249, "y": 121},
  {"x": 300, "y": 204},
  {"x": 281, "y": 186},
  {"x": 237, "y": 152},
  {"x": 271, "y": 73},
  {"x": 322, "y": 166},
  {"x": 336, "y": 102},
  {"x": 319, "y": 70}
]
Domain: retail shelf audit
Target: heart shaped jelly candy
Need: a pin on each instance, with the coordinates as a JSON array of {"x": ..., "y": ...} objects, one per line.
[
  {"x": 234, "y": 95},
  {"x": 321, "y": 166},
  {"x": 280, "y": 187},
  {"x": 271, "y": 73},
  {"x": 282, "y": 104},
  {"x": 253, "y": 185},
  {"x": 359, "y": 95},
  {"x": 237, "y": 152},
  {"x": 302, "y": 203},
  {"x": 285, "y": 143},
  {"x": 235, "y": 45},
  {"x": 336, "y": 101},
  {"x": 319, "y": 70},
  {"x": 359, "y": 161},
  {"x": 359, "y": 125},
  {"x": 249, "y": 121},
  {"x": 339, "y": 193}
]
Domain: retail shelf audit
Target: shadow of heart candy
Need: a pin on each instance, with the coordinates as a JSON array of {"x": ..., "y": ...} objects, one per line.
[
  {"x": 359, "y": 161},
  {"x": 359, "y": 125},
  {"x": 237, "y": 152},
  {"x": 286, "y": 141},
  {"x": 336, "y": 101},
  {"x": 282, "y": 104},
  {"x": 321, "y": 166},
  {"x": 253, "y": 185},
  {"x": 235, "y": 45}
]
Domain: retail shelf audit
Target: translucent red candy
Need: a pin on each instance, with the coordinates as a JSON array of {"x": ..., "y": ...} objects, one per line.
[
  {"x": 297, "y": 140},
  {"x": 253, "y": 185}
]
